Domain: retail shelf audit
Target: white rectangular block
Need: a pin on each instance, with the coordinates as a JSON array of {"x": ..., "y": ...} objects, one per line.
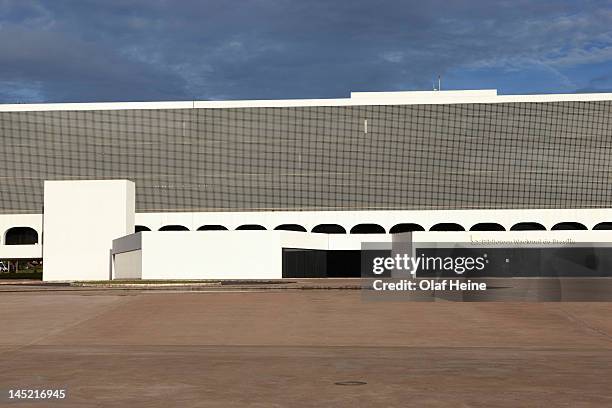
[
  {"x": 211, "y": 255},
  {"x": 81, "y": 219},
  {"x": 208, "y": 254}
]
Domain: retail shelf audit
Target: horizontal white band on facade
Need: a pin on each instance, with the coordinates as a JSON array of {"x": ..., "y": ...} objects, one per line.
[{"x": 348, "y": 219}]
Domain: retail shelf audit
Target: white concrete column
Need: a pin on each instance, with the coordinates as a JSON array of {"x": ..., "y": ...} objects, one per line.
[{"x": 81, "y": 219}]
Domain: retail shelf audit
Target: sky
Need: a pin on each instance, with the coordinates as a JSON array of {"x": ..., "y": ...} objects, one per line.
[{"x": 159, "y": 50}]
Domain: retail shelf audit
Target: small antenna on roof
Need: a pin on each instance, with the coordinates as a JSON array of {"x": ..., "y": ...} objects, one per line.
[{"x": 433, "y": 83}]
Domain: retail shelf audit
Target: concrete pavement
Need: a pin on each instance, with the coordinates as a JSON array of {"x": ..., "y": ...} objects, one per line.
[{"x": 291, "y": 348}]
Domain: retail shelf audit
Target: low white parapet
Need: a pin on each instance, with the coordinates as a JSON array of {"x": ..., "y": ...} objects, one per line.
[
  {"x": 219, "y": 254},
  {"x": 259, "y": 254},
  {"x": 205, "y": 254}
]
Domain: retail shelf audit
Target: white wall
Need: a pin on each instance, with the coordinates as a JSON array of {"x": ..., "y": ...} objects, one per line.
[
  {"x": 128, "y": 265},
  {"x": 81, "y": 220},
  {"x": 222, "y": 254},
  {"x": 504, "y": 238},
  {"x": 211, "y": 255},
  {"x": 8, "y": 221},
  {"x": 292, "y": 239},
  {"x": 354, "y": 241},
  {"x": 219, "y": 254}
]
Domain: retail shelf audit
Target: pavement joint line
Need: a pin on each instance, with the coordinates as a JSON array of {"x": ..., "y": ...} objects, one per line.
[
  {"x": 114, "y": 305},
  {"x": 589, "y": 327},
  {"x": 142, "y": 347},
  {"x": 171, "y": 288}
]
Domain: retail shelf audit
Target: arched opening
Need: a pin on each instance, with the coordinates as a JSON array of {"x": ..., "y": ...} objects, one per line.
[
  {"x": 21, "y": 236},
  {"x": 290, "y": 227},
  {"x": 367, "y": 229},
  {"x": 528, "y": 226},
  {"x": 568, "y": 226},
  {"x": 329, "y": 229},
  {"x": 141, "y": 228},
  {"x": 487, "y": 226},
  {"x": 174, "y": 228},
  {"x": 447, "y": 226},
  {"x": 603, "y": 226},
  {"x": 251, "y": 227},
  {"x": 405, "y": 227},
  {"x": 212, "y": 227}
]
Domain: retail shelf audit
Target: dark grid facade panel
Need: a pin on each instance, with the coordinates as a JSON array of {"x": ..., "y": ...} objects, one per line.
[{"x": 510, "y": 155}]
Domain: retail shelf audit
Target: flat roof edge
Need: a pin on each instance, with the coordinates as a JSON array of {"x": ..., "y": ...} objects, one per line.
[{"x": 356, "y": 99}]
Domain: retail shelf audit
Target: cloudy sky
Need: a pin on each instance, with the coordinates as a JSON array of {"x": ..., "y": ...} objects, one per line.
[{"x": 140, "y": 50}]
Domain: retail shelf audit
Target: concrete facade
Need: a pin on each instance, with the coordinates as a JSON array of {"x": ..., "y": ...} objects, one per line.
[
  {"x": 444, "y": 150},
  {"x": 376, "y": 160}
]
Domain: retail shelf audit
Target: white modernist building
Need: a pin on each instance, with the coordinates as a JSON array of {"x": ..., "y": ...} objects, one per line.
[{"x": 218, "y": 190}]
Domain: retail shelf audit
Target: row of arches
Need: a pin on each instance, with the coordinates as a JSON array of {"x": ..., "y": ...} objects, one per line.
[
  {"x": 29, "y": 236},
  {"x": 370, "y": 228}
]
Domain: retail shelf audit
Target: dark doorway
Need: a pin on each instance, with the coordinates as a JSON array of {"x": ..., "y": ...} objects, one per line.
[
  {"x": 568, "y": 226},
  {"x": 174, "y": 228},
  {"x": 313, "y": 263},
  {"x": 251, "y": 227},
  {"x": 290, "y": 227},
  {"x": 21, "y": 236},
  {"x": 329, "y": 229},
  {"x": 367, "y": 229},
  {"x": 487, "y": 226},
  {"x": 528, "y": 226},
  {"x": 603, "y": 226},
  {"x": 212, "y": 227},
  {"x": 447, "y": 226},
  {"x": 405, "y": 227}
]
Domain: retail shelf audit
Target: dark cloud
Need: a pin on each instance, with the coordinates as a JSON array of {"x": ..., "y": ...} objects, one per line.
[{"x": 162, "y": 50}]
